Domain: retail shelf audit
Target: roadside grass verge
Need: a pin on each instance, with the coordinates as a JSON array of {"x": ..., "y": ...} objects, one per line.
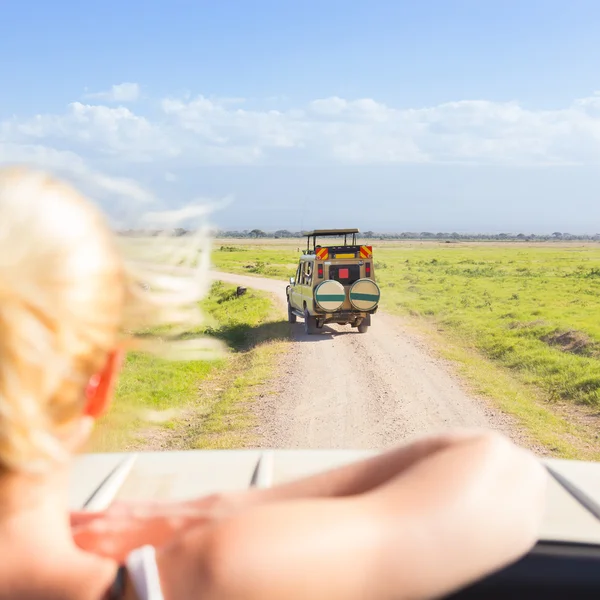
[
  {"x": 556, "y": 429},
  {"x": 533, "y": 311},
  {"x": 228, "y": 423},
  {"x": 192, "y": 404},
  {"x": 520, "y": 321}
]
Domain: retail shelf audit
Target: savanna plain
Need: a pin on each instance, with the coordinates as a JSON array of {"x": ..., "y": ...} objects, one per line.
[{"x": 516, "y": 322}]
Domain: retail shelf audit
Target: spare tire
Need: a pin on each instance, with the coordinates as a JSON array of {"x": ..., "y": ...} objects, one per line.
[
  {"x": 365, "y": 295},
  {"x": 330, "y": 295}
]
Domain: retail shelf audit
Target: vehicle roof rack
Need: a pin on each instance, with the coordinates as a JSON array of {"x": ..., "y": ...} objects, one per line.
[{"x": 330, "y": 232}]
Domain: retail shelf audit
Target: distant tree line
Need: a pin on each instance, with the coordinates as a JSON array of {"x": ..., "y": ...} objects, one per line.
[
  {"x": 373, "y": 235},
  {"x": 178, "y": 232}
]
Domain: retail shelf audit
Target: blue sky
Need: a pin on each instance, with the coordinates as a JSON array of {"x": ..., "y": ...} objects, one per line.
[{"x": 429, "y": 115}]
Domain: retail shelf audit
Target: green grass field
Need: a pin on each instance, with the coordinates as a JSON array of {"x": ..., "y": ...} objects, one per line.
[
  {"x": 278, "y": 262},
  {"x": 197, "y": 404},
  {"x": 534, "y": 311},
  {"x": 530, "y": 311}
]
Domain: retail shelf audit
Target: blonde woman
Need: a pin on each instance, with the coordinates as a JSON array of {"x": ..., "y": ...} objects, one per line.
[{"x": 415, "y": 522}]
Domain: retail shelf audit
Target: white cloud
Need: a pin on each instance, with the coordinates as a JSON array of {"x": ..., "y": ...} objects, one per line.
[
  {"x": 122, "y": 92},
  {"x": 91, "y": 139},
  {"x": 95, "y": 129},
  {"x": 205, "y": 131}
]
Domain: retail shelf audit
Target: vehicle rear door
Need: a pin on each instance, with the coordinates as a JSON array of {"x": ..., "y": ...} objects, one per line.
[{"x": 346, "y": 274}]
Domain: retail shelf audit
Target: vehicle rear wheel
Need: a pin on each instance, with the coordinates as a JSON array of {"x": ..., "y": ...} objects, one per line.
[
  {"x": 363, "y": 328},
  {"x": 291, "y": 314},
  {"x": 310, "y": 323}
]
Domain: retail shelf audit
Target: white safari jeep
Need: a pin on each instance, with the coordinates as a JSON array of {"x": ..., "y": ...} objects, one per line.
[{"x": 334, "y": 283}]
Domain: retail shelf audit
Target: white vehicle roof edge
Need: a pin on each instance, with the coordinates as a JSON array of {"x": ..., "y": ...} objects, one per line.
[
  {"x": 571, "y": 512},
  {"x": 263, "y": 473},
  {"x": 108, "y": 489}
]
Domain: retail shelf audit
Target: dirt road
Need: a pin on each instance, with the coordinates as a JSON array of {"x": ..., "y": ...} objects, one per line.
[{"x": 368, "y": 390}]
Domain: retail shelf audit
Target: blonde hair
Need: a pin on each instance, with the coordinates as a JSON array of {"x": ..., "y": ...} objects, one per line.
[{"x": 70, "y": 292}]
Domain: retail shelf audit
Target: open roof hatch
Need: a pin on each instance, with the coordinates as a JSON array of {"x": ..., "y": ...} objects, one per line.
[{"x": 329, "y": 233}]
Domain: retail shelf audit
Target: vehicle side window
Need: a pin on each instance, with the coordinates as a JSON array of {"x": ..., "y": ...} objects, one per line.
[
  {"x": 299, "y": 275},
  {"x": 308, "y": 274}
]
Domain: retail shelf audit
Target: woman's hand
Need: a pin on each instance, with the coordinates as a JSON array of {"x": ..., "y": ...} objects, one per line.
[{"x": 125, "y": 526}]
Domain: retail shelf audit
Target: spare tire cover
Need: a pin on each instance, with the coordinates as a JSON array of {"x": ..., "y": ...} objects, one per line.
[
  {"x": 365, "y": 295},
  {"x": 330, "y": 295}
]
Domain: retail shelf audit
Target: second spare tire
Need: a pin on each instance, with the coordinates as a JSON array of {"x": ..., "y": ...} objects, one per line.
[{"x": 365, "y": 295}]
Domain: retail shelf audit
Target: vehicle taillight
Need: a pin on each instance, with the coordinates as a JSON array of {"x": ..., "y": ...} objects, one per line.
[
  {"x": 320, "y": 271},
  {"x": 368, "y": 269}
]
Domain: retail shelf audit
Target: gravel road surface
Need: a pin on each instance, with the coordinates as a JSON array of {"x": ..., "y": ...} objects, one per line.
[{"x": 342, "y": 389}]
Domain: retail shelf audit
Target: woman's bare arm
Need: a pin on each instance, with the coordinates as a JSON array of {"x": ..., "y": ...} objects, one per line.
[
  {"x": 355, "y": 478},
  {"x": 358, "y": 477},
  {"x": 126, "y": 526},
  {"x": 461, "y": 512}
]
